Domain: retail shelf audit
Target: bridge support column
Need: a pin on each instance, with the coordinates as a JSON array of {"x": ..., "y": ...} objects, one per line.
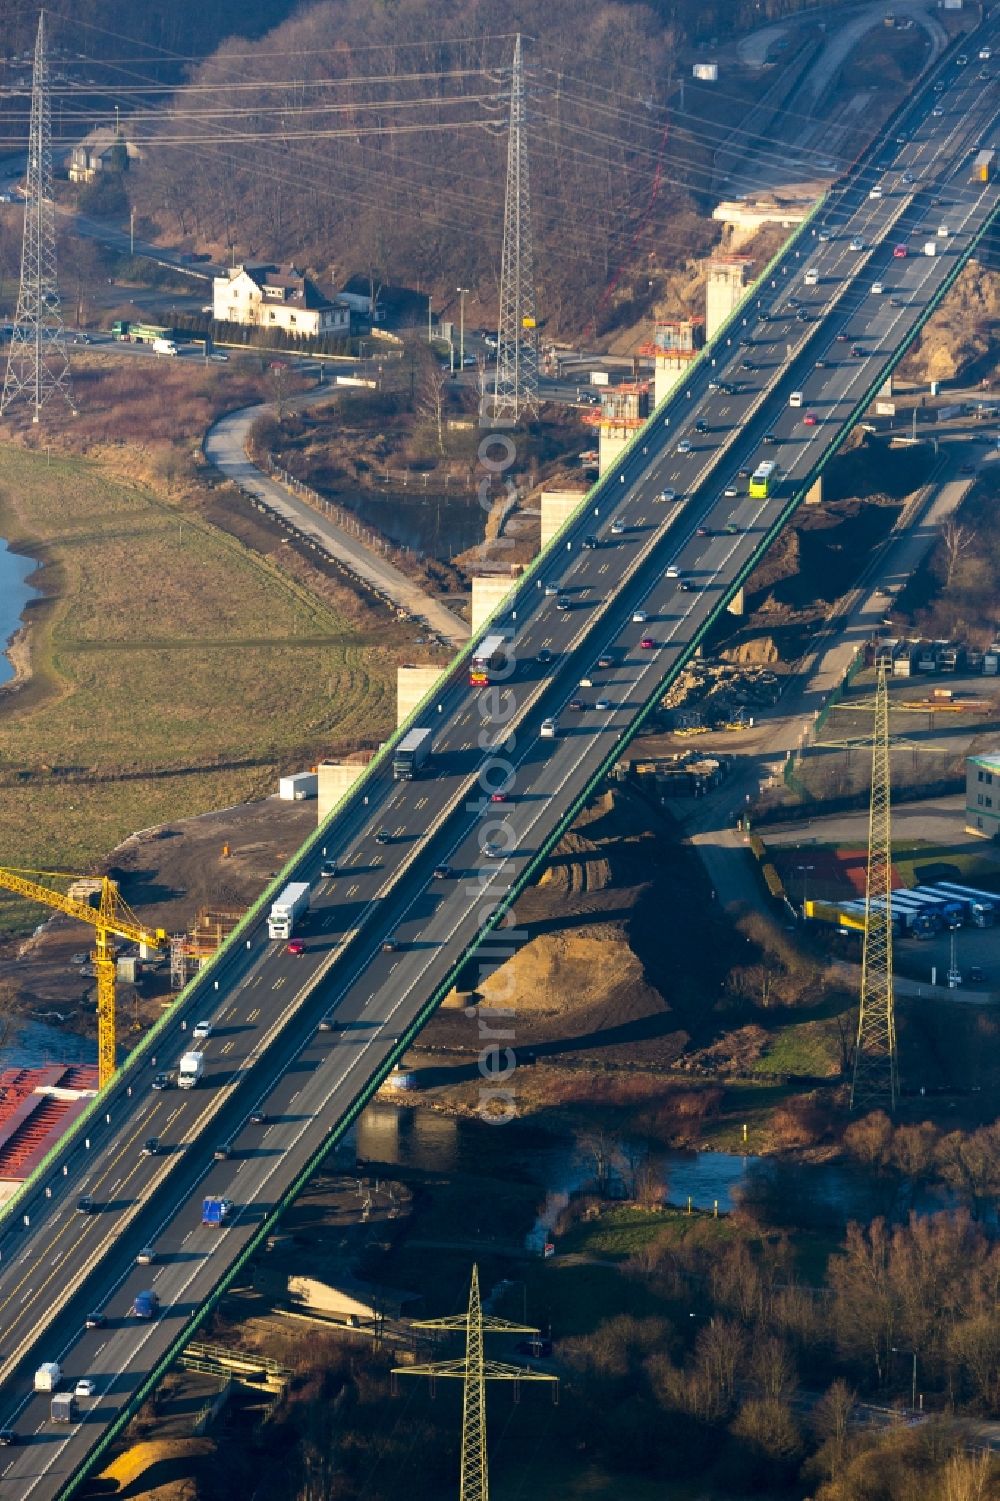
[
  {"x": 489, "y": 591},
  {"x": 334, "y": 779},
  {"x": 412, "y": 684},
  {"x": 557, "y": 507},
  {"x": 612, "y": 441}
]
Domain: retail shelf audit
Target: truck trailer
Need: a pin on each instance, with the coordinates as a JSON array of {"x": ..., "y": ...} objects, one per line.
[
  {"x": 914, "y": 917},
  {"x": 981, "y": 906},
  {"x": 62, "y": 1408},
  {"x": 949, "y": 913},
  {"x": 216, "y": 1211},
  {"x": 48, "y": 1376},
  {"x": 287, "y": 908},
  {"x": 982, "y": 166},
  {"x": 411, "y": 755},
  {"x": 190, "y": 1070}
]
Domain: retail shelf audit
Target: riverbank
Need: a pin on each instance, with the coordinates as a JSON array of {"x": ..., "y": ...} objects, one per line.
[{"x": 17, "y": 585}]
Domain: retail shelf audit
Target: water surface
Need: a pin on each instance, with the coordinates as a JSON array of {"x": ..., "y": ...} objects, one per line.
[{"x": 14, "y": 595}]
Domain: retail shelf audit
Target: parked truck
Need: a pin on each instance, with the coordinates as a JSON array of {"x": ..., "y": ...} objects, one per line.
[
  {"x": 287, "y": 908},
  {"x": 982, "y": 166},
  {"x": 48, "y": 1376},
  {"x": 164, "y": 346},
  {"x": 411, "y": 755},
  {"x": 981, "y": 907},
  {"x": 190, "y": 1070},
  {"x": 215, "y": 1210},
  {"x": 62, "y": 1408}
]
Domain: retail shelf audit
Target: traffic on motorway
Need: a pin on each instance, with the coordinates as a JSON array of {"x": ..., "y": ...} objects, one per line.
[{"x": 413, "y": 870}]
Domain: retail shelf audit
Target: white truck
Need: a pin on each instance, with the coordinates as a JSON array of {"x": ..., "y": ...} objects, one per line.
[
  {"x": 164, "y": 346},
  {"x": 190, "y": 1070},
  {"x": 48, "y": 1376},
  {"x": 410, "y": 755},
  {"x": 287, "y": 908},
  {"x": 62, "y": 1408},
  {"x": 930, "y": 247}
]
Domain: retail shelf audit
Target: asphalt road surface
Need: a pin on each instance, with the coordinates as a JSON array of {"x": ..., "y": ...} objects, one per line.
[{"x": 423, "y": 864}]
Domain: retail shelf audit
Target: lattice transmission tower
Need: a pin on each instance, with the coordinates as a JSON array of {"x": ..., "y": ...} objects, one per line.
[
  {"x": 38, "y": 361},
  {"x": 515, "y": 393},
  {"x": 474, "y": 1370},
  {"x": 875, "y": 1081}
]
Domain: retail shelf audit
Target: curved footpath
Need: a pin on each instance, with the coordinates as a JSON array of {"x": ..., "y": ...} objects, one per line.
[{"x": 225, "y": 447}]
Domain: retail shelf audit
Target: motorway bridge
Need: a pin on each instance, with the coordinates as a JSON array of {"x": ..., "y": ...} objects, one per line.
[{"x": 427, "y": 868}]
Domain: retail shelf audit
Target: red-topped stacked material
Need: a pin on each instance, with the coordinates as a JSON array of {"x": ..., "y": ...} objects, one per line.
[{"x": 36, "y": 1107}]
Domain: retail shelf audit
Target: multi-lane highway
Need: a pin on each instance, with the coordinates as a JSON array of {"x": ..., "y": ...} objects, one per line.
[{"x": 615, "y": 606}]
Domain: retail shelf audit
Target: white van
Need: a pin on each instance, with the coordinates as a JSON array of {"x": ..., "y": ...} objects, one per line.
[
  {"x": 811, "y": 277},
  {"x": 48, "y": 1376},
  {"x": 548, "y": 730},
  {"x": 943, "y": 232},
  {"x": 795, "y": 400},
  {"x": 877, "y": 288}
]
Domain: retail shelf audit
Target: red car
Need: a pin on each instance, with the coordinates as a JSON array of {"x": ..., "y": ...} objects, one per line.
[
  {"x": 809, "y": 420},
  {"x": 296, "y": 946},
  {"x": 498, "y": 797},
  {"x": 647, "y": 643},
  {"x": 900, "y": 252}
]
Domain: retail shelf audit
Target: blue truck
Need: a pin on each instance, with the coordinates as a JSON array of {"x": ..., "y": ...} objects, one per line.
[
  {"x": 216, "y": 1211},
  {"x": 145, "y": 1305}
]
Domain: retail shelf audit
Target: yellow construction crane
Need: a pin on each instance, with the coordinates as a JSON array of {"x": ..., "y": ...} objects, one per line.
[{"x": 111, "y": 917}]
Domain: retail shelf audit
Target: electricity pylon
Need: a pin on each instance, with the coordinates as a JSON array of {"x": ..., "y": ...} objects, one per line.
[
  {"x": 38, "y": 360},
  {"x": 515, "y": 391},
  {"x": 875, "y": 1079},
  {"x": 474, "y": 1371}
]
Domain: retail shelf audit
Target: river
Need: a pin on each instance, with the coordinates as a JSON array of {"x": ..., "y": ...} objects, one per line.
[
  {"x": 824, "y": 1194},
  {"x": 31, "y": 1044},
  {"x": 15, "y": 592}
]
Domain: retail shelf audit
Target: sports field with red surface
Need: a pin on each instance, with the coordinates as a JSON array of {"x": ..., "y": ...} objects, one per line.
[{"x": 825, "y": 873}]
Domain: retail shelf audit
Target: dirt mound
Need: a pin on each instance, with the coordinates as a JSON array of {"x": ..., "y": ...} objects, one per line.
[
  {"x": 576, "y": 867},
  {"x": 760, "y": 652},
  {"x": 566, "y": 971},
  {"x": 160, "y": 1468}
]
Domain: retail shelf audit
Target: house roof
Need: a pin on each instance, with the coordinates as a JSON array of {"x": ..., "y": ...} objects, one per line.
[
  {"x": 295, "y": 284},
  {"x": 101, "y": 140}
]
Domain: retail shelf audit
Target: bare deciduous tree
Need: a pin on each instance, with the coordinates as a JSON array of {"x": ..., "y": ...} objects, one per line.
[{"x": 958, "y": 539}]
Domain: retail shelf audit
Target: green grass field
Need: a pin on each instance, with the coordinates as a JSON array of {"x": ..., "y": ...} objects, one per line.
[{"x": 174, "y": 670}]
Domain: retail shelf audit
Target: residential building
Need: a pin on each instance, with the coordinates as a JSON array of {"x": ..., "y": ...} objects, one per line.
[
  {"x": 103, "y": 150},
  {"x": 982, "y": 794},
  {"x": 279, "y": 297}
]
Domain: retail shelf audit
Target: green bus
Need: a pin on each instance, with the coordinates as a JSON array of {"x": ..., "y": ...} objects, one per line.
[{"x": 139, "y": 333}]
